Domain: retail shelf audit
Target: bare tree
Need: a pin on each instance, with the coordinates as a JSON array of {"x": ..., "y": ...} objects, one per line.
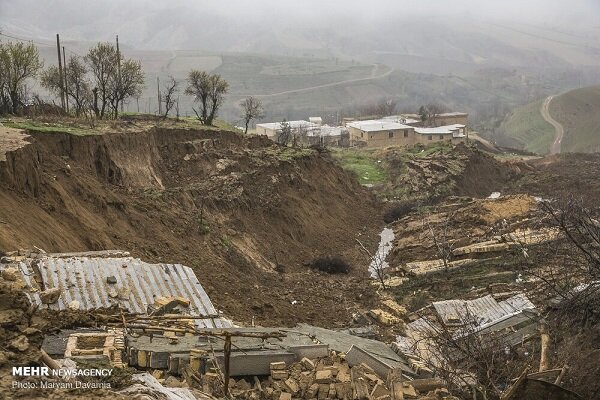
[
  {"x": 78, "y": 86},
  {"x": 208, "y": 90},
  {"x": 168, "y": 96},
  {"x": 18, "y": 62},
  {"x": 378, "y": 264},
  {"x": 470, "y": 361},
  {"x": 439, "y": 234},
  {"x": 252, "y": 109},
  {"x": 129, "y": 83},
  {"x": 430, "y": 113},
  {"x": 299, "y": 135},
  {"x": 381, "y": 108},
  {"x": 575, "y": 279},
  {"x": 103, "y": 62},
  {"x": 285, "y": 133}
]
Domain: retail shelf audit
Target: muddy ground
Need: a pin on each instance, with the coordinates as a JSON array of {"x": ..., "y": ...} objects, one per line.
[{"x": 246, "y": 215}]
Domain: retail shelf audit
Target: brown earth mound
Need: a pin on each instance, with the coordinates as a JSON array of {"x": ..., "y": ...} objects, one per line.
[
  {"x": 429, "y": 174},
  {"x": 560, "y": 176},
  {"x": 246, "y": 215}
]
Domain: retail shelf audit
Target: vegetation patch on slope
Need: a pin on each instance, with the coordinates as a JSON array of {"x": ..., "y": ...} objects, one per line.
[
  {"x": 577, "y": 111},
  {"x": 528, "y": 129}
]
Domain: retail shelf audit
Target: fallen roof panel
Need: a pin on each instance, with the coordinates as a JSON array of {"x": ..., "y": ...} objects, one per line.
[{"x": 138, "y": 284}]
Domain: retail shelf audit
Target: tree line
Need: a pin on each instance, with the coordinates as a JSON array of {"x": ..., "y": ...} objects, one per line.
[{"x": 98, "y": 84}]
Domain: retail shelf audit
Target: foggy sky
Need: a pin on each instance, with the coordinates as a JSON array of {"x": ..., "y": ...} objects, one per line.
[{"x": 98, "y": 16}]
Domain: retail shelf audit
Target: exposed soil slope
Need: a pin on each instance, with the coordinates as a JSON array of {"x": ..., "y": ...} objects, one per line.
[
  {"x": 246, "y": 215},
  {"x": 428, "y": 174},
  {"x": 560, "y": 176}
]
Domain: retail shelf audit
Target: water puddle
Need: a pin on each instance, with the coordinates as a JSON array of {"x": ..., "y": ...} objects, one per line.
[{"x": 378, "y": 262}]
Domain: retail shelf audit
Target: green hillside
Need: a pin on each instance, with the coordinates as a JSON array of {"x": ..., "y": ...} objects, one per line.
[
  {"x": 579, "y": 113},
  {"x": 527, "y": 130}
]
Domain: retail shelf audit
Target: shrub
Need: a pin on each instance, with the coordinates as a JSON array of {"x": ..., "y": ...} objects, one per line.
[
  {"x": 398, "y": 210},
  {"x": 331, "y": 265}
]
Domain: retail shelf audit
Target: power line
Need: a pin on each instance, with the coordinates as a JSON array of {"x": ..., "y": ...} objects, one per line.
[{"x": 36, "y": 42}]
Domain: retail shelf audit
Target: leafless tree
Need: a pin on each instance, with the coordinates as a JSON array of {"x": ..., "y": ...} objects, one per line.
[
  {"x": 573, "y": 279},
  {"x": 299, "y": 135},
  {"x": 473, "y": 363},
  {"x": 430, "y": 113},
  {"x": 285, "y": 133},
  {"x": 440, "y": 236},
  {"x": 377, "y": 265},
  {"x": 381, "y": 108},
  {"x": 78, "y": 86},
  {"x": 168, "y": 95},
  {"x": 252, "y": 109}
]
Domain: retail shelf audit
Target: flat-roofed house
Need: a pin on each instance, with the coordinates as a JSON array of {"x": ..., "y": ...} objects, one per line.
[
  {"x": 451, "y": 118},
  {"x": 272, "y": 129},
  {"x": 380, "y": 133},
  {"x": 455, "y": 133}
]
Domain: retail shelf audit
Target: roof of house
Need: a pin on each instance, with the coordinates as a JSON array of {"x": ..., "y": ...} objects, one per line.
[
  {"x": 402, "y": 119},
  {"x": 293, "y": 124},
  {"x": 377, "y": 125},
  {"x": 441, "y": 130},
  {"x": 326, "y": 130},
  {"x": 84, "y": 278},
  {"x": 454, "y": 114},
  {"x": 484, "y": 311}
]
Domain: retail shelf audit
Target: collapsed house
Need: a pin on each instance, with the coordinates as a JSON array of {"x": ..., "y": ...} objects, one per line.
[
  {"x": 159, "y": 319},
  {"x": 509, "y": 322},
  {"x": 105, "y": 279}
]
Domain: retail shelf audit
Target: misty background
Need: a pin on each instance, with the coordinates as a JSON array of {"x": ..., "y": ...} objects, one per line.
[{"x": 332, "y": 58}]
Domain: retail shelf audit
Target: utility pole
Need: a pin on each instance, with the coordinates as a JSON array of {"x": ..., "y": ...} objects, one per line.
[
  {"x": 119, "y": 67},
  {"x": 60, "y": 73},
  {"x": 158, "y": 92},
  {"x": 65, "y": 74}
]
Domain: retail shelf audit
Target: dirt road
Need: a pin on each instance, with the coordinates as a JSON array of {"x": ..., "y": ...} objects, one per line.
[
  {"x": 558, "y": 137},
  {"x": 373, "y": 76}
]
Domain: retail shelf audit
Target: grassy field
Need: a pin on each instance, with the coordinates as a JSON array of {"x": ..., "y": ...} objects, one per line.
[
  {"x": 576, "y": 110},
  {"x": 364, "y": 163},
  {"x": 48, "y": 127},
  {"x": 529, "y": 129},
  {"x": 81, "y": 127}
]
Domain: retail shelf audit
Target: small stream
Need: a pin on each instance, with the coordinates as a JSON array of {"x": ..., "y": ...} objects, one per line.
[{"x": 385, "y": 246}]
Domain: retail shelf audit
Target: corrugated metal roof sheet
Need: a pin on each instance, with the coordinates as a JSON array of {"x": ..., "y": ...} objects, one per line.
[
  {"x": 485, "y": 311},
  {"x": 85, "y": 279}
]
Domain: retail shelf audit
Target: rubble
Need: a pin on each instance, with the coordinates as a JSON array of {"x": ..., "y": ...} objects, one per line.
[
  {"x": 10, "y": 274},
  {"x": 50, "y": 296}
]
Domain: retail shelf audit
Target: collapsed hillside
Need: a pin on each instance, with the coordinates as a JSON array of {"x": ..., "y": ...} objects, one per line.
[
  {"x": 246, "y": 215},
  {"x": 427, "y": 174}
]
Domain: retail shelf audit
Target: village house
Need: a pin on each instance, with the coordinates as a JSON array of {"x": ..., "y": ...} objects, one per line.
[
  {"x": 272, "y": 129},
  {"x": 387, "y": 132},
  {"x": 336, "y": 136},
  {"x": 380, "y": 133}
]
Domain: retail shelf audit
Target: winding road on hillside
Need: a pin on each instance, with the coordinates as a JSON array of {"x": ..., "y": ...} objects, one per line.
[
  {"x": 558, "y": 128},
  {"x": 374, "y": 76}
]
